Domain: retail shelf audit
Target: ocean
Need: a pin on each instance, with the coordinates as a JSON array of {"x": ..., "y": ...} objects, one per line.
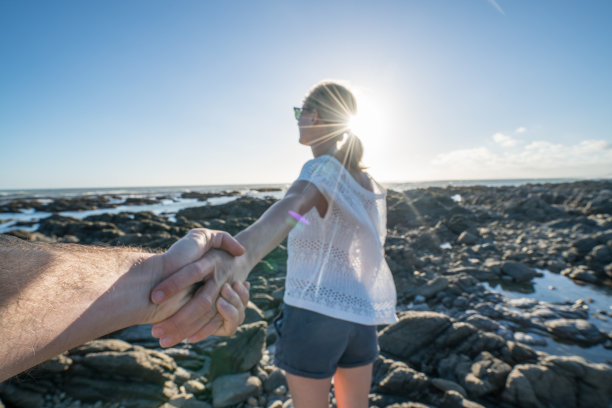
[{"x": 170, "y": 200}]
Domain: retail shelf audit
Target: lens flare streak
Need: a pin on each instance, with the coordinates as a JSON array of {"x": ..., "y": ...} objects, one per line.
[{"x": 299, "y": 218}]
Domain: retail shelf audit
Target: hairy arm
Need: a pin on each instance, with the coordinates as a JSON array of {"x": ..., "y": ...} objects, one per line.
[
  {"x": 258, "y": 239},
  {"x": 55, "y": 297}
]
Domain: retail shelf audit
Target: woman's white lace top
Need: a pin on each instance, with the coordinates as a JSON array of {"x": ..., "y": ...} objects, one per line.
[{"x": 336, "y": 264}]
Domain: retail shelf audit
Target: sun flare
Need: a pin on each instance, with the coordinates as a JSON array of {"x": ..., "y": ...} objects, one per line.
[{"x": 369, "y": 125}]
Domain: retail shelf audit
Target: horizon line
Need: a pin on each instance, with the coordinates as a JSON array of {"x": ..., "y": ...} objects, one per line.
[{"x": 288, "y": 183}]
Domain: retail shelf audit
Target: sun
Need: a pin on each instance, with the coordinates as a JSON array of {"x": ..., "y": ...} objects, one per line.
[{"x": 369, "y": 125}]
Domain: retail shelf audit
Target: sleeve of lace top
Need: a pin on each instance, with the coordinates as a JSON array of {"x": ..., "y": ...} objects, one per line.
[{"x": 325, "y": 173}]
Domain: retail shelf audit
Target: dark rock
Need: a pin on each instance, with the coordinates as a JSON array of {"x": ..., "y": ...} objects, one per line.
[
  {"x": 600, "y": 255},
  {"x": 275, "y": 380},
  {"x": 518, "y": 271},
  {"x": 185, "y": 401},
  {"x": 467, "y": 238},
  {"x": 413, "y": 331},
  {"x": 447, "y": 385},
  {"x": 240, "y": 352},
  {"x": 453, "y": 399},
  {"x": 576, "y": 330},
  {"x": 488, "y": 375},
  {"x": 581, "y": 274},
  {"x": 139, "y": 201},
  {"x": 20, "y": 397},
  {"x": 242, "y": 207},
  {"x": 403, "y": 380},
  {"x": 252, "y": 314},
  {"x": 584, "y": 245},
  {"x": 559, "y": 382},
  {"x": 433, "y": 287},
  {"x": 233, "y": 389}
]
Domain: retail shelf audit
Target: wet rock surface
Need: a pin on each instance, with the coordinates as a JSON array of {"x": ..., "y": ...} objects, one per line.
[{"x": 458, "y": 343}]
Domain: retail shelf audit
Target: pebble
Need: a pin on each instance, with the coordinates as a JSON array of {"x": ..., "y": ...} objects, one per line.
[
  {"x": 280, "y": 390},
  {"x": 252, "y": 401}
]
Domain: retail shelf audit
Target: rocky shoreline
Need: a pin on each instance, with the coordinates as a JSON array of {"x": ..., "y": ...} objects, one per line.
[{"x": 458, "y": 343}]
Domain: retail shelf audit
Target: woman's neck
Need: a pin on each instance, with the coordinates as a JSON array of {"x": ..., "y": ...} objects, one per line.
[{"x": 324, "y": 148}]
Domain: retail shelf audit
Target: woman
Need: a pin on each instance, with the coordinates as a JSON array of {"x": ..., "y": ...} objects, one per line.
[{"x": 338, "y": 285}]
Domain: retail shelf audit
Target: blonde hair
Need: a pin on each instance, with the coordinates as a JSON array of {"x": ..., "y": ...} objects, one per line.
[{"x": 335, "y": 104}]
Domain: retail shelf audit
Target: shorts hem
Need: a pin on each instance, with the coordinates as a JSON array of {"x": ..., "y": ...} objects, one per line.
[
  {"x": 353, "y": 365},
  {"x": 300, "y": 373}
]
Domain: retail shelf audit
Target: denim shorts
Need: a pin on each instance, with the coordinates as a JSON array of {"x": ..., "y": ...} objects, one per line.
[{"x": 314, "y": 345}]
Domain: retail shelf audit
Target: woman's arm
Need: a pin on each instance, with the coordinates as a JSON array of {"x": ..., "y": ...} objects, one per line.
[{"x": 258, "y": 239}]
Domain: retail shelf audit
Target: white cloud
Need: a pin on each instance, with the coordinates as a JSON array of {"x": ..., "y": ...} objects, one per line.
[
  {"x": 589, "y": 158},
  {"x": 521, "y": 129},
  {"x": 503, "y": 140},
  {"x": 494, "y": 4}
]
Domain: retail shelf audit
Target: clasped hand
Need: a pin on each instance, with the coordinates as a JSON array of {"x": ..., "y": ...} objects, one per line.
[{"x": 218, "y": 305}]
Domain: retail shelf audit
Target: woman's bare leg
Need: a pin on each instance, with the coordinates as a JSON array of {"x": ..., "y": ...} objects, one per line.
[
  {"x": 309, "y": 392},
  {"x": 352, "y": 386}
]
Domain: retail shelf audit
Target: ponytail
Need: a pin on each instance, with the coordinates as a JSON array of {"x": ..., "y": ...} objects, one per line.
[
  {"x": 335, "y": 104},
  {"x": 351, "y": 153}
]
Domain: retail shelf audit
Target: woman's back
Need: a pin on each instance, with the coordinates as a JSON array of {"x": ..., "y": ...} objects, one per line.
[{"x": 336, "y": 263}]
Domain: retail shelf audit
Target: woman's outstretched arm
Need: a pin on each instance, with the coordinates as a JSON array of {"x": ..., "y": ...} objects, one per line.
[{"x": 258, "y": 239}]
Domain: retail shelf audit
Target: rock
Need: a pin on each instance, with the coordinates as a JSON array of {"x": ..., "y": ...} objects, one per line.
[
  {"x": 433, "y": 287},
  {"x": 453, "y": 399},
  {"x": 239, "y": 352},
  {"x": 185, "y": 401},
  {"x": 518, "y": 271},
  {"x": 467, "y": 238},
  {"x": 252, "y": 313},
  {"x": 600, "y": 254},
  {"x": 275, "y": 380},
  {"x": 137, "y": 334},
  {"x": 478, "y": 273},
  {"x": 413, "y": 331},
  {"x": 584, "y": 245},
  {"x": 446, "y": 385},
  {"x": 194, "y": 387},
  {"x": 58, "y": 364},
  {"x": 403, "y": 380},
  {"x": 147, "y": 365},
  {"x": 518, "y": 353},
  {"x": 483, "y": 323},
  {"x": 234, "y": 388},
  {"x": 559, "y": 382},
  {"x": 581, "y": 274},
  {"x": 20, "y": 397},
  {"x": 488, "y": 375},
  {"x": 523, "y": 303},
  {"x": 95, "y": 388},
  {"x": 530, "y": 339},
  {"x": 575, "y": 330}
]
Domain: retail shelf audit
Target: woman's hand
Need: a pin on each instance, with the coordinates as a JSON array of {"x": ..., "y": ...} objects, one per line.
[{"x": 198, "y": 318}]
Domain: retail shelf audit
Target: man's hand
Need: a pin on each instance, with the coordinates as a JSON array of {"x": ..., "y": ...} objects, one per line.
[
  {"x": 192, "y": 247},
  {"x": 197, "y": 319}
]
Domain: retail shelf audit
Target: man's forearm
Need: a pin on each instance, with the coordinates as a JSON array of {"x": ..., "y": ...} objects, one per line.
[{"x": 54, "y": 298}]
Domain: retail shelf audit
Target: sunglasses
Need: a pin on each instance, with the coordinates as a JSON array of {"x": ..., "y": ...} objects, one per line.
[{"x": 298, "y": 112}]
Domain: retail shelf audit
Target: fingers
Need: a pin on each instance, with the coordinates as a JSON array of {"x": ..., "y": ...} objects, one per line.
[
  {"x": 188, "y": 320},
  {"x": 195, "y": 244},
  {"x": 242, "y": 289},
  {"x": 209, "y": 329},
  {"x": 227, "y": 243},
  {"x": 231, "y": 307},
  {"x": 231, "y": 313},
  {"x": 186, "y": 276}
]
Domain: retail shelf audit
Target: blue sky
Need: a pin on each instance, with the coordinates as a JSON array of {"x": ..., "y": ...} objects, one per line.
[{"x": 144, "y": 93}]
